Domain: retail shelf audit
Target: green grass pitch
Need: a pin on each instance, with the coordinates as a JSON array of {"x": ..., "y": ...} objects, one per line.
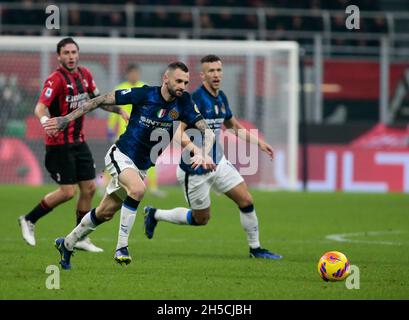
[{"x": 211, "y": 262}]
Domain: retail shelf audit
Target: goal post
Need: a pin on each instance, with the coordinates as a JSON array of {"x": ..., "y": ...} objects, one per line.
[{"x": 260, "y": 79}]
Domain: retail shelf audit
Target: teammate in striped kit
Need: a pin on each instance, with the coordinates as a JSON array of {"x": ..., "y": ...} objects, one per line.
[
  {"x": 68, "y": 158},
  {"x": 197, "y": 182},
  {"x": 157, "y": 112}
]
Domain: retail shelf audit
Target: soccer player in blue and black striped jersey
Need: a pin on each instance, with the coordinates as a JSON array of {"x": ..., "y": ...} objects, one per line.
[
  {"x": 153, "y": 108},
  {"x": 214, "y": 106}
]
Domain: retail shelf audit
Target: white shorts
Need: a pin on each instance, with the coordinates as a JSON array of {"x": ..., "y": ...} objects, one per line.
[
  {"x": 197, "y": 187},
  {"x": 115, "y": 163}
]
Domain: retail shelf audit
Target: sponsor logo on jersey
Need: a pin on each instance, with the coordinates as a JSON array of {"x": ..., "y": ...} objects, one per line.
[
  {"x": 77, "y": 100},
  {"x": 161, "y": 113},
  {"x": 70, "y": 86},
  {"x": 48, "y": 92},
  {"x": 174, "y": 114},
  {"x": 126, "y": 91},
  {"x": 216, "y": 109},
  {"x": 215, "y": 124},
  {"x": 149, "y": 123}
]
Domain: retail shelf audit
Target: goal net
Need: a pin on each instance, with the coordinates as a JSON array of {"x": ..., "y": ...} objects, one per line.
[{"x": 260, "y": 80}]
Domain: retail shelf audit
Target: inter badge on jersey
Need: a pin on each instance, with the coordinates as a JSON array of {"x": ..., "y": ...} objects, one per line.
[
  {"x": 161, "y": 113},
  {"x": 216, "y": 109},
  {"x": 173, "y": 114},
  {"x": 223, "y": 108}
]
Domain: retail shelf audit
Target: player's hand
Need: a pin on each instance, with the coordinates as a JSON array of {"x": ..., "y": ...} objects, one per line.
[
  {"x": 49, "y": 132},
  {"x": 267, "y": 149},
  {"x": 56, "y": 124},
  {"x": 124, "y": 115},
  {"x": 205, "y": 162}
]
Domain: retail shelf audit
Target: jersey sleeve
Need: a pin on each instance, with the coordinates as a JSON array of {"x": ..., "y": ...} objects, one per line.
[
  {"x": 191, "y": 112},
  {"x": 130, "y": 96},
  {"x": 93, "y": 89},
  {"x": 51, "y": 89},
  {"x": 229, "y": 114}
]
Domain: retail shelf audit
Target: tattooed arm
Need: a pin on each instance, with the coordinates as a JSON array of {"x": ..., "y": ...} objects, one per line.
[
  {"x": 112, "y": 108},
  {"x": 182, "y": 138},
  {"x": 60, "y": 123},
  {"x": 208, "y": 137},
  {"x": 207, "y": 133},
  {"x": 200, "y": 157}
]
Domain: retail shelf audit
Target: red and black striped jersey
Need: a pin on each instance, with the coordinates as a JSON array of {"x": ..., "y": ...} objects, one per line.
[{"x": 63, "y": 92}]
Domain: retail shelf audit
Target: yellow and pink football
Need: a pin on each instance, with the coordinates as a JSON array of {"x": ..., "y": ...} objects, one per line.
[{"x": 333, "y": 266}]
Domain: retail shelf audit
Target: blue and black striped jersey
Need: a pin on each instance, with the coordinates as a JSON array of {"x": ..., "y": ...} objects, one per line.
[
  {"x": 215, "y": 110},
  {"x": 150, "y": 112}
]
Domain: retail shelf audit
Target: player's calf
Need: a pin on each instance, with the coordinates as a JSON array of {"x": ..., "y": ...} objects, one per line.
[
  {"x": 178, "y": 215},
  {"x": 200, "y": 217},
  {"x": 128, "y": 214}
]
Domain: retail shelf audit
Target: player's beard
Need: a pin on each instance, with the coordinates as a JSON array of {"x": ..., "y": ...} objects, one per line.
[{"x": 173, "y": 93}]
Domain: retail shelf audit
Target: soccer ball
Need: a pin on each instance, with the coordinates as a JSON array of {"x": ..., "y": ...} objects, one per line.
[{"x": 333, "y": 266}]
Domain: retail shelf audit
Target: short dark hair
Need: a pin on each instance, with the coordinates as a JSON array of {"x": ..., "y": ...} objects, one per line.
[
  {"x": 178, "y": 65},
  {"x": 132, "y": 66},
  {"x": 210, "y": 58},
  {"x": 64, "y": 42}
]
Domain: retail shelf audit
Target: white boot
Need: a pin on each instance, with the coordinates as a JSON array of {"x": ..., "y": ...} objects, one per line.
[
  {"x": 86, "y": 245},
  {"x": 27, "y": 230}
]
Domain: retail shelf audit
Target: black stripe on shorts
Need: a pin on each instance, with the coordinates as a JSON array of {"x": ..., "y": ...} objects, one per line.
[
  {"x": 111, "y": 155},
  {"x": 187, "y": 187}
]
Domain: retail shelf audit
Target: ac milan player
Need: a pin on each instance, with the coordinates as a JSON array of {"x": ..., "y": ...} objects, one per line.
[{"x": 68, "y": 158}]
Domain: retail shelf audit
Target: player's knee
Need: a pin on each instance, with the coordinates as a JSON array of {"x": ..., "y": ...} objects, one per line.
[
  {"x": 89, "y": 190},
  {"x": 92, "y": 189},
  {"x": 246, "y": 200},
  {"x": 137, "y": 192}
]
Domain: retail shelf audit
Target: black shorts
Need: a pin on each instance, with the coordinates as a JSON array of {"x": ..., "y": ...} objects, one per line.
[{"x": 70, "y": 164}]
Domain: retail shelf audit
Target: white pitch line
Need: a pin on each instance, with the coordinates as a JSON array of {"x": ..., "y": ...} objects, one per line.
[{"x": 344, "y": 237}]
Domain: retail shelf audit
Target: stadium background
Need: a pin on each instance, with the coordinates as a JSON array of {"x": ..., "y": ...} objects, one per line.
[
  {"x": 350, "y": 79},
  {"x": 353, "y": 136}
]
